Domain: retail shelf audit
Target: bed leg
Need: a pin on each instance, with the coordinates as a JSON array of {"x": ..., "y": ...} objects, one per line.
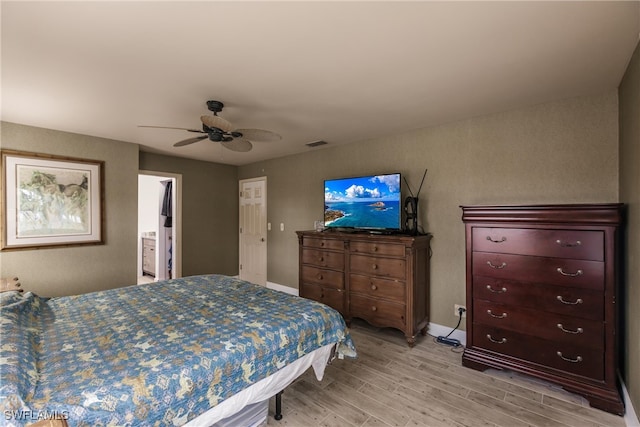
[{"x": 278, "y": 414}]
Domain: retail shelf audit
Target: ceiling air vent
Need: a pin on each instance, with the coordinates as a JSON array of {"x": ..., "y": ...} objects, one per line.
[{"x": 316, "y": 143}]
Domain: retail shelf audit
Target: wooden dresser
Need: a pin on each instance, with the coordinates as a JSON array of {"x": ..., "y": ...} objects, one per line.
[
  {"x": 541, "y": 294},
  {"x": 383, "y": 279}
]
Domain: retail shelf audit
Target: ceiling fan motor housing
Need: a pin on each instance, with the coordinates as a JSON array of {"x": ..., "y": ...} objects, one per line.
[{"x": 215, "y": 106}]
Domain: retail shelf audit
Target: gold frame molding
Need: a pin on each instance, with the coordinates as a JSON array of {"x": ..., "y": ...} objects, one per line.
[{"x": 61, "y": 205}]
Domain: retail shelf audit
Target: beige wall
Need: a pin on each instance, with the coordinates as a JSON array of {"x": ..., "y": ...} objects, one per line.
[
  {"x": 629, "y": 94},
  {"x": 65, "y": 271},
  {"x": 209, "y": 212},
  {"x": 560, "y": 152}
]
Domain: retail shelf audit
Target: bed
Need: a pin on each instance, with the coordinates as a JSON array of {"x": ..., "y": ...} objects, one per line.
[{"x": 190, "y": 351}]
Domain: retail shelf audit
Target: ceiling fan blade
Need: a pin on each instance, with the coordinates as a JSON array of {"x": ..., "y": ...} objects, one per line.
[
  {"x": 259, "y": 135},
  {"x": 216, "y": 122},
  {"x": 189, "y": 141},
  {"x": 170, "y": 127},
  {"x": 240, "y": 145}
]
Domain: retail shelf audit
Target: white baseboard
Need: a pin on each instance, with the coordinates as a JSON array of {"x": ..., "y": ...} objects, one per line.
[
  {"x": 282, "y": 288},
  {"x": 439, "y": 330},
  {"x": 630, "y": 417}
]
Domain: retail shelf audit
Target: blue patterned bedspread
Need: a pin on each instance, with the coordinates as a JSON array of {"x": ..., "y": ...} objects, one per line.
[{"x": 157, "y": 354}]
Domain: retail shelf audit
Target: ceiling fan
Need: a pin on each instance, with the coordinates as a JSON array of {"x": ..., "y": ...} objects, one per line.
[{"x": 220, "y": 130}]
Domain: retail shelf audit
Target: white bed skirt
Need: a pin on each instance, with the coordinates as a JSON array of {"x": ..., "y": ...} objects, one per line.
[{"x": 264, "y": 388}]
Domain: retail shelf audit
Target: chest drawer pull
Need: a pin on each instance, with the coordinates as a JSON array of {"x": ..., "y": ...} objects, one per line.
[
  {"x": 320, "y": 277},
  {"x": 497, "y": 291},
  {"x": 374, "y": 266},
  {"x": 501, "y": 341},
  {"x": 374, "y": 308},
  {"x": 561, "y": 271},
  {"x": 576, "y": 302},
  {"x": 569, "y": 331},
  {"x": 504, "y": 239},
  {"x": 567, "y": 244},
  {"x": 374, "y": 287},
  {"x": 498, "y": 267},
  {"x": 566, "y": 359},
  {"x": 497, "y": 316}
]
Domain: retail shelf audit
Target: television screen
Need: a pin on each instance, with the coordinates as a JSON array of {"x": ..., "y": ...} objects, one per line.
[{"x": 367, "y": 202}]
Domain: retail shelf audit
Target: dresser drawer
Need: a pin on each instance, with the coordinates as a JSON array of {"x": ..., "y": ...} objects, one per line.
[
  {"x": 567, "y": 272},
  {"x": 385, "y": 267},
  {"x": 319, "y": 276},
  {"x": 378, "y": 288},
  {"x": 328, "y": 259},
  {"x": 320, "y": 243},
  {"x": 554, "y": 327},
  {"x": 378, "y": 312},
  {"x": 334, "y": 298},
  {"x": 574, "y": 244},
  {"x": 374, "y": 248},
  {"x": 567, "y": 301},
  {"x": 566, "y": 357}
]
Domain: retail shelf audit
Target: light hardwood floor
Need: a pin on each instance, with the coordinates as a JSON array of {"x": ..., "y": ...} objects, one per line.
[{"x": 390, "y": 384}]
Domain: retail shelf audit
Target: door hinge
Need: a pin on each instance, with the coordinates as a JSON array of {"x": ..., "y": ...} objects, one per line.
[
  {"x": 240, "y": 266},
  {"x": 240, "y": 229}
]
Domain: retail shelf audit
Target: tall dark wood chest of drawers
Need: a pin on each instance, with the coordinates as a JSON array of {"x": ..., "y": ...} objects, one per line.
[
  {"x": 383, "y": 279},
  {"x": 542, "y": 283}
]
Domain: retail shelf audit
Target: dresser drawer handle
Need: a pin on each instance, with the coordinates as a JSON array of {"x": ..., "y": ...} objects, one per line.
[
  {"x": 375, "y": 249},
  {"x": 569, "y": 331},
  {"x": 566, "y": 359},
  {"x": 320, "y": 259},
  {"x": 502, "y": 341},
  {"x": 576, "y": 302},
  {"x": 496, "y": 291},
  {"x": 374, "y": 308},
  {"x": 497, "y": 316},
  {"x": 498, "y": 267},
  {"x": 374, "y": 266},
  {"x": 374, "y": 287},
  {"x": 320, "y": 277},
  {"x": 504, "y": 239},
  {"x": 577, "y": 273},
  {"x": 567, "y": 244}
]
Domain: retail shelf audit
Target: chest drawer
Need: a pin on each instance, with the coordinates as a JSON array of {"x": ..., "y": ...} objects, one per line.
[
  {"x": 386, "y": 267},
  {"x": 558, "y": 355},
  {"x": 327, "y": 259},
  {"x": 320, "y": 276},
  {"x": 387, "y": 249},
  {"x": 567, "y": 272},
  {"x": 377, "y": 311},
  {"x": 334, "y": 298},
  {"x": 550, "y": 326},
  {"x": 378, "y": 288},
  {"x": 566, "y": 301},
  {"x": 320, "y": 243},
  {"x": 574, "y": 244}
]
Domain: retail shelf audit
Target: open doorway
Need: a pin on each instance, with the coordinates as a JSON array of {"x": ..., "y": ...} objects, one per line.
[{"x": 159, "y": 226}]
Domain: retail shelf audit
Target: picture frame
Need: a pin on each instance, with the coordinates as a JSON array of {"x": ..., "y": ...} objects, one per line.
[{"x": 50, "y": 201}]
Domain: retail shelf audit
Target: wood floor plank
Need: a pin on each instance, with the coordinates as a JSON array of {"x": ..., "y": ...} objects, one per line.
[
  {"x": 392, "y": 384},
  {"x": 369, "y": 405},
  {"x": 515, "y": 411}
]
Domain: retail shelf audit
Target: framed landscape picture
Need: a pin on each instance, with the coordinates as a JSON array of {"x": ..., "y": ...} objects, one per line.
[{"x": 50, "y": 201}]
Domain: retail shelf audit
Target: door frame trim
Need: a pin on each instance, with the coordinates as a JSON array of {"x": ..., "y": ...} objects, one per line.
[{"x": 177, "y": 219}]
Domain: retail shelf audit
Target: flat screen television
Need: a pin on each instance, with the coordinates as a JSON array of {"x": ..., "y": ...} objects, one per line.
[{"x": 363, "y": 203}]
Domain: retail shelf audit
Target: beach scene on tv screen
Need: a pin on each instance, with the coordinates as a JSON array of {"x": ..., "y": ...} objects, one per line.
[{"x": 364, "y": 202}]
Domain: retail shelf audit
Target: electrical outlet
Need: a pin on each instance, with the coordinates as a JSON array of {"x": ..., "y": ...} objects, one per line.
[{"x": 456, "y": 307}]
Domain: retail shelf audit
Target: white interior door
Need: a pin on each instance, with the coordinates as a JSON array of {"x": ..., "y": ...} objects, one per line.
[{"x": 253, "y": 230}]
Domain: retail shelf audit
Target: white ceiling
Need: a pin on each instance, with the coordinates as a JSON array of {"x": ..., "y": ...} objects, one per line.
[{"x": 334, "y": 71}]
